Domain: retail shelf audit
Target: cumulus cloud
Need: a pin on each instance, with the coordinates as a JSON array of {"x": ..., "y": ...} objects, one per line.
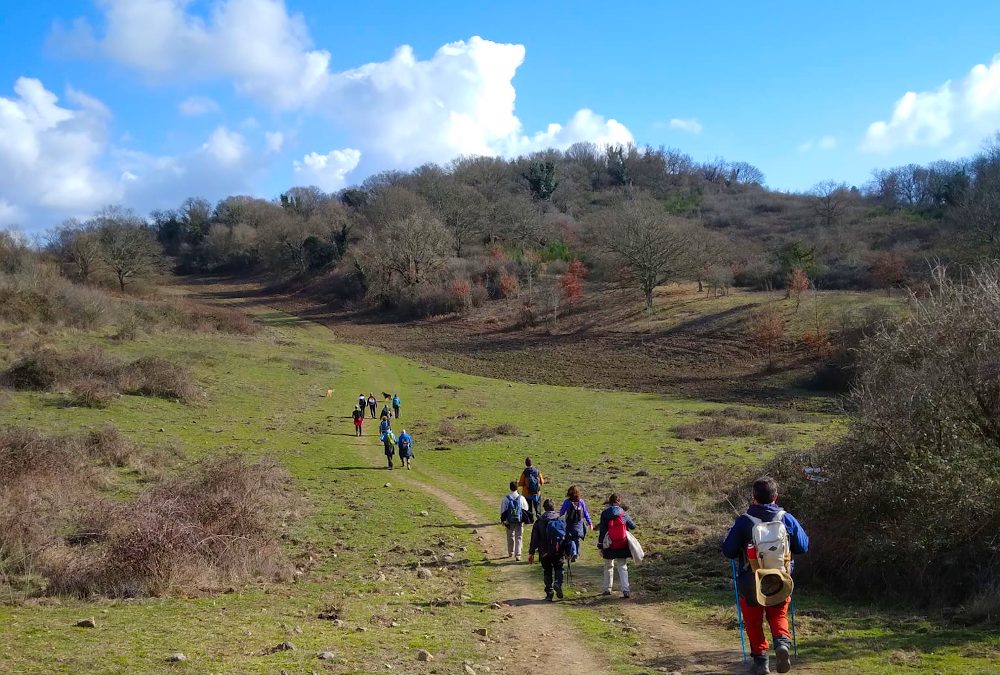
[
  {"x": 958, "y": 113},
  {"x": 195, "y": 106},
  {"x": 48, "y": 153},
  {"x": 400, "y": 112},
  {"x": 229, "y": 148},
  {"x": 822, "y": 143},
  {"x": 328, "y": 171},
  {"x": 690, "y": 125}
]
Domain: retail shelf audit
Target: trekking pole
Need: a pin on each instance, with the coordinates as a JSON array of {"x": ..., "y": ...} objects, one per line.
[
  {"x": 739, "y": 615},
  {"x": 795, "y": 642}
]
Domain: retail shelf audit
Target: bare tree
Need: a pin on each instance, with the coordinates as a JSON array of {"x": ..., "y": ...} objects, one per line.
[
  {"x": 77, "y": 247},
  {"x": 128, "y": 246},
  {"x": 416, "y": 247},
  {"x": 461, "y": 209},
  {"x": 829, "y": 201},
  {"x": 651, "y": 244}
]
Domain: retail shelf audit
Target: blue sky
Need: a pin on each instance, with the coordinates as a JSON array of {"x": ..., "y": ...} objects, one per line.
[{"x": 145, "y": 102}]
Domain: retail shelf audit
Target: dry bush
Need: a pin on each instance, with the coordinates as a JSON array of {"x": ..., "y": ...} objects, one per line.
[
  {"x": 719, "y": 427},
  {"x": 93, "y": 377},
  {"x": 756, "y": 414},
  {"x": 449, "y": 431}
]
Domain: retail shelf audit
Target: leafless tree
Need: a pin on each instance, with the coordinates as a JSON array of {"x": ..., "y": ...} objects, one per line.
[
  {"x": 650, "y": 243},
  {"x": 128, "y": 247},
  {"x": 77, "y": 247},
  {"x": 829, "y": 201}
]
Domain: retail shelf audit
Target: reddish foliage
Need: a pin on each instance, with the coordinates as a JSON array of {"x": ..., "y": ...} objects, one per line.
[
  {"x": 572, "y": 287},
  {"x": 798, "y": 283},
  {"x": 497, "y": 254},
  {"x": 461, "y": 288},
  {"x": 819, "y": 343},
  {"x": 509, "y": 287},
  {"x": 577, "y": 269},
  {"x": 888, "y": 269}
]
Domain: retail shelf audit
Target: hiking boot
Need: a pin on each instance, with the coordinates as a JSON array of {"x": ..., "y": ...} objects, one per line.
[
  {"x": 626, "y": 595},
  {"x": 559, "y": 592},
  {"x": 572, "y": 559},
  {"x": 548, "y": 596},
  {"x": 517, "y": 558},
  {"x": 781, "y": 654},
  {"x": 606, "y": 593},
  {"x": 760, "y": 665}
]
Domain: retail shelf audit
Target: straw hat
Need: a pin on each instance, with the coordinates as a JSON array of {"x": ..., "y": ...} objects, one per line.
[{"x": 772, "y": 587}]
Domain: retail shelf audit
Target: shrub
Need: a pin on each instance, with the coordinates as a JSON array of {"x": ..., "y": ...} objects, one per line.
[
  {"x": 766, "y": 332},
  {"x": 90, "y": 394},
  {"x": 509, "y": 286},
  {"x": 153, "y": 376}
]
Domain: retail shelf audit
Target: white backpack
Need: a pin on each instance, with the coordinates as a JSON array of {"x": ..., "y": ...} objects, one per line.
[{"x": 771, "y": 541}]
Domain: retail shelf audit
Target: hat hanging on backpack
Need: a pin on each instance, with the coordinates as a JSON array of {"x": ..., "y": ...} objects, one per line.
[
  {"x": 770, "y": 560},
  {"x": 772, "y": 587}
]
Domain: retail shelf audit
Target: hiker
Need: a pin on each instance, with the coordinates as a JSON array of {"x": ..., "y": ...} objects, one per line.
[
  {"x": 372, "y": 403},
  {"x": 362, "y": 403},
  {"x": 577, "y": 521},
  {"x": 389, "y": 441},
  {"x": 612, "y": 540},
  {"x": 513, "y": 508},
  {"x": 762, "y": 594},
  {"x": 548, "y": 537},
  {"x": 405, "y": 449},
  {"x": 531, "y": 482},
  {"x": 395, "y": 405},
  {"x": 384, "y": 425},
  {"x": 359, "y": 419},
  {"x": 385, "y": 412}
]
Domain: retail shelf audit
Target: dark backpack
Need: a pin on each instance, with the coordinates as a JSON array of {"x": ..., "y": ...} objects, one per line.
[
  {"x": 405, "y": 442},
  {"x": 357, "y": 415},
  {"x": 553, "y": 537},
  {"x": 512, "y": 511},
  {"x": 575, "y": 513},
  {"x": 534, "y": 484}
]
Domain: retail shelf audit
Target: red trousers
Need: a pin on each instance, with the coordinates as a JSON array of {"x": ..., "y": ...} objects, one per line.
[{"x": 753, "y": 620}]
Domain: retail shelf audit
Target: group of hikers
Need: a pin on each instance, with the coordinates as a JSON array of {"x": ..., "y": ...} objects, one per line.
[
  {"x": 390, "y": 442},
  {"x": 761, "y": 542}
]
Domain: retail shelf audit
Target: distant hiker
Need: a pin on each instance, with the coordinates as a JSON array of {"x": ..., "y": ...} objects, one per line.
[
  {"x": 372, "y": 403},
  {"x": 385, "y": 412},
  {"x": 612, "y": 540},
  {"x": 577, "y": 521},
  {"x": 405, "y": 449},
  {"x": 359, "y": 419},
  {"x": 513, "y": 509},
  {"x": 531, "y": 482},
  {"x": 763, "y": 540},
  {"x": 548, "y": 537},
  {"x": 384, "y": 425},
  {"x": 395, "y": 405},
  {"x": 389, "y": 441},
  {"x": 362, "y": 403}
]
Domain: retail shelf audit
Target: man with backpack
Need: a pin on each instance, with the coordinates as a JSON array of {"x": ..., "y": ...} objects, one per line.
[
  {"x": 513, "y": 508},
  {"x": 389, "y": 441},
  {"x": 395, "y": 405},
  {"x": 372, "y": 402},
  {"x": 548, "y": 537},
  {"x": 531, "y": 482},
  {"x": 612, "y": 540},
  {"x": 763, "y": 540},
  {"x": 405, "y": 443}
]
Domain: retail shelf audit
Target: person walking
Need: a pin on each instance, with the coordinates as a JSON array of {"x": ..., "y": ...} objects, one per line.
[
  {"x": 405, "y": 449},
  {"x": 384, "y": 424},
  {"x": 385, "y": 412},
  {"x": 531, "y": 482},
  {"x": 372, "y": 403},
  {"x": 395, "y": 405},
  {"x": 513, "y": 509},
  {"x": 785, "y": 536},
  {"x": 612, "y": 540},
  {"x": 362, "y": 403},
  {"x": 359, "y": 419},
  {"x": 389, "y": 441},
  {"x": 548, "y": 537},
  {"x": 578, "y": 521}
]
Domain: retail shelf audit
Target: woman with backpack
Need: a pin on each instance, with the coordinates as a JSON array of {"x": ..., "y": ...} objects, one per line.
[
  {"x": 577, "y": 521},
  {"x": 359, "y": 419},
  {"x": 612, "y": 541},
  {"x": 389, "y": 441},
  {"x": 405, "y": 443},
  {"x": 372, "y": 403}
]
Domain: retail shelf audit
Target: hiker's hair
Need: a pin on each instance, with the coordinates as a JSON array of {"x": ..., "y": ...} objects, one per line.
[
  {"x": 765, "y": 490},
  {"x": 513, "y": 485},
  {"x": 614, "y": 499},
  {"x": 573, "y": 493},
  {"x": 527, "y": 461},
  {"x": 547, "y": 505}
]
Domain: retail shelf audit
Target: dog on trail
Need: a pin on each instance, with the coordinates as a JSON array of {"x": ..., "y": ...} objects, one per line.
[
  {"x": 386, "y": 396},
  {"x": 329, "y": 393}
]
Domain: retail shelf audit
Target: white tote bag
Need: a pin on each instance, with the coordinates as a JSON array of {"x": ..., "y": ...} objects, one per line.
[{"x": 636, "y": 548}]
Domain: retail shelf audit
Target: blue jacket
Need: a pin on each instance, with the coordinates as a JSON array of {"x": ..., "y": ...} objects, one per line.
[
  {"x": 741, "y": 533},
  {"x": 602, "y": 530},
  {"x": 405, "y": 452},
  {"x": 396, "y": 401}
]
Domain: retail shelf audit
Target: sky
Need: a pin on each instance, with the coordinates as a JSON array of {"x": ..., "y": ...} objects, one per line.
[{"x": 147, "y": 102}]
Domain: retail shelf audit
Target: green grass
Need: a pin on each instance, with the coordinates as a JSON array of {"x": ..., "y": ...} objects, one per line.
[{"x": 265, "y": 397}]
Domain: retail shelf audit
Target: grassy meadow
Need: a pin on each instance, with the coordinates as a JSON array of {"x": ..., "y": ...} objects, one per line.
[{"x": 358, "y": 543}]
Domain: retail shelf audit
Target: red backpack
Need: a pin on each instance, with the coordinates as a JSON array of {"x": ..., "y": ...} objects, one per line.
[{"x": 618, "y": 532}]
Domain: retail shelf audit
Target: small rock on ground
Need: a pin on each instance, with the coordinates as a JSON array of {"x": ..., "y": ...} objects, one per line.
[
  {"x": 177, "y": 657},
  {"x": 388, "y": 485},
  {"x": 469, "y": 670},
  {"x": 327, "y": 656},
  {"x": 424, "y": 513},
  {"x": 424, "y": 573},
  {"x": 424, "y": 655},
  {"x": 481, "y": 631},
  {"x": 86, "y": 623}
]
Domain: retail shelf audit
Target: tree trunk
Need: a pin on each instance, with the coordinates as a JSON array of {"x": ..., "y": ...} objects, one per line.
[
  {"x": 121, "y": 281},
  {"x": 649, "y": 300}
]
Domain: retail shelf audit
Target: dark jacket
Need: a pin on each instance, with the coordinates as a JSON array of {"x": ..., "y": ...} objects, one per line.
[
  {"x": 538, "y": 532},
  {"x": 741, "y": 533},
  {"x": 602, "y": 530}
]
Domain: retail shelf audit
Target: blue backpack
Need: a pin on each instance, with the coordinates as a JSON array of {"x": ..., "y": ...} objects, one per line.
[
  {"x": 534, "y": 485},
  {"x": 512, "y": 511},
  {"x": 553, "y": 537}
]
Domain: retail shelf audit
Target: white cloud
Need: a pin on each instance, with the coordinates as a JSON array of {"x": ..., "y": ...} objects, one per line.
[
  {"x": 823, "y": 143},
  {"x": 958, "y": 113},
  {"x": 328, "y": 171},
  {"x": 400, "y": 112},
  {"x": 48, "y": 153},
  {"x": 689, "y": 125},
  {"x": 195, "y": 106},
  {"x": 275, "y": 140},
  {"x": 9, "y": 214},
  {"x": 229, "y": 148}
]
